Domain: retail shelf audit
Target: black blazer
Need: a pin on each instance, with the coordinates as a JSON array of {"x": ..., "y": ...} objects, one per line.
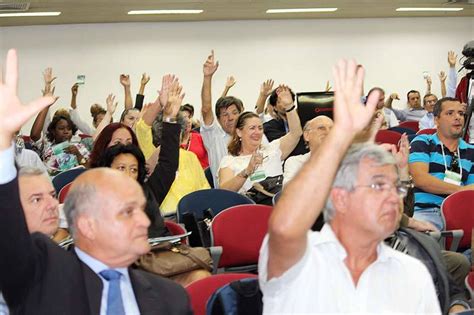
[{"x": 39, "y": 277}]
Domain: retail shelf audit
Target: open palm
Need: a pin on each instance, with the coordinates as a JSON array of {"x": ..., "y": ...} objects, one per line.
[{"x": 13, "y": 114}]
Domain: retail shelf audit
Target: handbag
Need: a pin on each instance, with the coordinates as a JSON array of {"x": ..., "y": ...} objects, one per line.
[
  {"x": 262, "y": 192},
  {"x": 170, "y": 259}
]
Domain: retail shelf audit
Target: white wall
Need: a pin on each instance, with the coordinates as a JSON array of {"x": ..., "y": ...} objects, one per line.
[{"x": 300, "y": 53}]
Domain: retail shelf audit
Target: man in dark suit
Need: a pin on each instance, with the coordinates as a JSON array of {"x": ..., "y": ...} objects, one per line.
[{"x": 105, "y": 214}]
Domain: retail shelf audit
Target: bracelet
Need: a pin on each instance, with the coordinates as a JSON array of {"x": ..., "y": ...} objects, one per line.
[
  {"x": 243, "y": 173},
  {"x": 289, "y": 110},
  {"x": 169, "y": 119}
]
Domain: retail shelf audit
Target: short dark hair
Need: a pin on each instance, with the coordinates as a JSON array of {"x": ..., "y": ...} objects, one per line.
[
  {"x": 112, "y": 152},
  {"x": 272, "y": 100},
  {"x": 226, "y": 102},
  {"x": 412, "y": 91},
  {"x": 188, "y": 108},
  {"x": 54, "y": 122},
  {"x": 438, "y": 107}
]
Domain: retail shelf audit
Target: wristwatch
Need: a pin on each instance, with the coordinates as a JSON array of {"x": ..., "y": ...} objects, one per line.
[
  {"x": 289, "y": 110},
  {"x": 169, "y": 119},
  {"x": 243, "y": 173}
]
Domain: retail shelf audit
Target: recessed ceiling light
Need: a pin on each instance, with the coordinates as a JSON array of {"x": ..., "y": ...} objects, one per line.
[
  {"x": 135, "y": 12},
  {"x": 302, "y": 10},
  {"x": 30, "y": 14},
  {"x": 429, "y": 9}
]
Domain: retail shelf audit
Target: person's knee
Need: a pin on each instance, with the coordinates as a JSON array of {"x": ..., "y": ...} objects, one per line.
[{"x": 457, "y": 265}]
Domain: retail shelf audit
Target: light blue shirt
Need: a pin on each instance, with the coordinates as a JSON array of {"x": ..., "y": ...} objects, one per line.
[
  {"x": 427, "y": 122},
  {"x": 128, "y": 297}
]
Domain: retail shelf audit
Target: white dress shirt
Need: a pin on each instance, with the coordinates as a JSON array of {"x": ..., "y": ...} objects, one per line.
[
  {"x": 293, "y": 165},
  {"x": 321, "y": 283}
]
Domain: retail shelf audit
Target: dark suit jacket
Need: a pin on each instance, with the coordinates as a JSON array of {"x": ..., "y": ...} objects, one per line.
[{"x": 38, "y": 277}]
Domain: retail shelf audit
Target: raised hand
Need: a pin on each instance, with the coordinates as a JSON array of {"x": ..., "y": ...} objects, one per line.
[
  {"x": 74, "y": 89},
  {"x": 13, "y": 114},
  {"x": 328, "y": 86},
  {"x": 210, "y": 66},
  {"x": 284, "y": 96},
  {"x": 166, "y": 83},
  {"x": 428, "y": 80},
  {"x": 48, "y": 76},
  {"x": 267, "y": 87},
  {"x": 255, "y": 161},
  {"x": 442, "y": 76},
  {"x": 111, "y": 104},
  {"x": 125, "y": 80},
  {"x": 350, "y": 114},
  {"x": 452, "y": 57},
  {"x": 175, "y": 99},
  {"x": 404, "y": 150},
  {"x": 394, "y": 96},
  {"x": 145, "y": 79},
  {"x": 230, "y": 82}
]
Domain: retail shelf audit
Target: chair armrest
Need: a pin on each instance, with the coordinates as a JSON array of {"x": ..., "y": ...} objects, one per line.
[
  {"x": 441, "y": 236},
  {"x": 216, "y": 253}
]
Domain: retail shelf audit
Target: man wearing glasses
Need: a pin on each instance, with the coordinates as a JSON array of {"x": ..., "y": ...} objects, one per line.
[
  {"x": 442, "y": 163},
  {"x": 345, "y": 268}
]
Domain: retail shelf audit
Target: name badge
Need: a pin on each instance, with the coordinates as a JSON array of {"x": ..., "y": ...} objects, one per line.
[
  {"x": 452, "y": 178},
  {"x": 258, "y": 176}
]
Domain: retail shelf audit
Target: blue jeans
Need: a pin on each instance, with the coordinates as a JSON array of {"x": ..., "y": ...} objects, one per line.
[{"x": 432, "y": 215}]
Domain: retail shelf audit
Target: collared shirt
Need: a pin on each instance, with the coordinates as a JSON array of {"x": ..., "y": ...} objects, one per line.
[
  {"x": 409, "y": 114},
  {"x": 128, "y": 297},
  {"x": 215, "y": 140},
  {"x": 390, "y": 117},
  {"x": 321, "y": 282},
  {"x": 427, "y": 149},
  {"x": 427, "y": 122}
]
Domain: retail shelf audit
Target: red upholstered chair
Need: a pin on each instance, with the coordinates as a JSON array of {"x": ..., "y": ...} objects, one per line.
[
  {"x": 200, "y": 291},
  {"x": 239, "y": 231},
  {"x": 387, "y": 136},
  {"x": 176, "y": 229},
  {"x": 458, "y": 213},
  {"x": 83, "y": 136},
  {"x": 413, "y": 125},
  {"x": 428, "y": 131},
  {"x": 63, "y": 192}
]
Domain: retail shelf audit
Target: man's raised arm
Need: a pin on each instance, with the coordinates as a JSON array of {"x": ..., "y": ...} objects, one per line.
[
  {"x": 208, "y": 69},
  {"x": 304, "y": 197}
]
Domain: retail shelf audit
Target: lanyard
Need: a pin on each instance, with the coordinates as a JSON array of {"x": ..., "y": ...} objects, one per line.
[{"x": 444, "y": 159}]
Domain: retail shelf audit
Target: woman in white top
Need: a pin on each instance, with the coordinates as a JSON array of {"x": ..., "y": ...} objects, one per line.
[{"x": 249, "y": 161}]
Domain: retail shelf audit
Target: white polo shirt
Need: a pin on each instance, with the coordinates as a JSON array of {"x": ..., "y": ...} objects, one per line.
[{"x": 321, "y": 283}]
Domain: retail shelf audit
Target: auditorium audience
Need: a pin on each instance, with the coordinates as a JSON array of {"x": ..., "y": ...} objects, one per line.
[
  {"x": 363, "y": 208},
  {"x": 94, "y": 277},
  {"x": 191, "y": 140}
]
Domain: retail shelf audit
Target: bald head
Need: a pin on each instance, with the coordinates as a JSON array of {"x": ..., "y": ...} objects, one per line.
[{"x": 315, "y": 130}]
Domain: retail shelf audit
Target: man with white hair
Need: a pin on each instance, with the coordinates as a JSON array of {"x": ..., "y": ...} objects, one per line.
[{"x": 345, "y": 268}]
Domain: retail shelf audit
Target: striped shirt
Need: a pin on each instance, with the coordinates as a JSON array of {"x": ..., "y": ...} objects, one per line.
[{"x": 427, "y": 149}]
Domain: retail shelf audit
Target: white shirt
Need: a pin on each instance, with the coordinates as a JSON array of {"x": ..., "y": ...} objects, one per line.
[
  {"x": 271, "y": 164},
  {"x": 215, "y": 140},
  {"x": 29, "y": 158},
  {"x": 427, "y": 122},
  {"x": 293, "y": 165},
  {"x": 128, "y": 297},
  {"x": 321, "y": 283},
  {"x": 80, "y": 124}
]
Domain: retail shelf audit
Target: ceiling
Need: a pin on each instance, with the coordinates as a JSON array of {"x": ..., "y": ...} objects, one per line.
[{"x": 112, "y": 11}]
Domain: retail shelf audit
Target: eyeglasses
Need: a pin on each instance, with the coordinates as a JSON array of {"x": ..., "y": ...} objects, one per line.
[{"x": 401, "y": 189}]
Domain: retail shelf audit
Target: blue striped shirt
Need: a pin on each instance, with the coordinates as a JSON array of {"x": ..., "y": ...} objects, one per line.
[{"x": 427, "y": 149}]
